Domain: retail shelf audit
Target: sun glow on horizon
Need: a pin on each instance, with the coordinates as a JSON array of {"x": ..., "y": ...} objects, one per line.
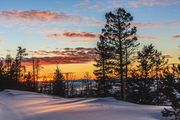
[
  {"x": 77, "y": 70},
  {"x": 54, "y": 32}
]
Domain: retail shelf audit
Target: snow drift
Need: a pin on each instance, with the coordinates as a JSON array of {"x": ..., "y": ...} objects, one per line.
[{"x": 21, "y": 105}]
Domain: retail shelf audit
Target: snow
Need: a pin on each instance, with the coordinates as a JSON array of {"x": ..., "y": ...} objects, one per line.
[{"x": 21, "y": 105}]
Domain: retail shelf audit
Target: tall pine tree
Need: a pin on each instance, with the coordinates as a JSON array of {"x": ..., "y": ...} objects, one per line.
[{"x": 121, "y": 34}]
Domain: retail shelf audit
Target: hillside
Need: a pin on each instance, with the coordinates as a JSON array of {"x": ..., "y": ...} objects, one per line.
[{"x": 21, "y": 105}]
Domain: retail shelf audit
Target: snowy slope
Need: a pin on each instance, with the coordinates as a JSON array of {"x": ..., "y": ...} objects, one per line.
[{"x": 20, "y": 105}]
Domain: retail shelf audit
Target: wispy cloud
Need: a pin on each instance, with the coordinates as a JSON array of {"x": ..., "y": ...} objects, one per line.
[
  {"x": 54, "y": 35},
  {"x": 63, "y": 56},
  {"x": 138, "y": 3},
  {"x": 143, "y": 37},
  {"x": 80, "y": 41},
  {"x": 63, "y": 52},
  {"x": 98, "y": 5},
  {"x": 156, "y": 24},
  {"x": 77, "y": 41},
  {"x": 39, "y": 16},
  {"x": 101, "y": 6},
  {"x": 79, "y": 34},
  {"x": 70, "y": 34},
  {"x": 177, "y": 36},
  {"x": 2, "y": 41},
  {"x": 34, "y": 16}
]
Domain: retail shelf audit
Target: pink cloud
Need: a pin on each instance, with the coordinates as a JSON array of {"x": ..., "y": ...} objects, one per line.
[
  {"x": 156, "y": 24},
  {"x": 176, "y": 36},
  {"x": 55, "y": 35},
  {"x": 79, "y": 41},
  {"x": 141, "y": 37},
  {"x": 2, "y": 41},
  {"x": 38, "y": 16},
  {"x": 65, "y": 56},
  {"x": 62, "y": 52},
  {"x": 70, "y": 34},
  {"x": 99, "y": 5},
  {"x": 83, "y": 3},
  {"x": 79, "y": 34}
]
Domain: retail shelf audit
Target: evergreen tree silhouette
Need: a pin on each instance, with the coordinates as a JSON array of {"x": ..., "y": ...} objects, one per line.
[
  {"x": 171, "y": 91},
  {"x": 21, "y": 53},
  {"x": 2, "y": 75},
  {"x": 142, "y": 82},
  {"x": 103, "y": 65},
  {"x": 160, "y": 64},
  {"x": 122, "y": 36},
  {"x": 59, "y": 85},
  {"x": 118, "y": 37}
]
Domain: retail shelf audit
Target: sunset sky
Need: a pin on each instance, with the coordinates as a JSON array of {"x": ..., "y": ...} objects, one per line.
[{"x": 66, "y": 31}]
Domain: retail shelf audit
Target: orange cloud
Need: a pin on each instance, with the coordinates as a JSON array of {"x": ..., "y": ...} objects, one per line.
[
  {"x": 38, "y": 16},
  {"x": 64, "y": 56},
  {"x": 70, "y": 34},
  {"x": 70, "y": 59},
  {"x": 82, "y": 34},
  {"x": 55, "y": 35}
]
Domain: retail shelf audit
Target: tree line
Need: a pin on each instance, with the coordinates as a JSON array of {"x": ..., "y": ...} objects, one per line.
[
  {"x": 14, "y": 75},
  {"x": 122, "y": 70},
  {"x": 139, "y": 76}
]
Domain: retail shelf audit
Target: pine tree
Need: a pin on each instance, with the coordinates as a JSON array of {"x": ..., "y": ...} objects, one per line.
[
  {"x": 21, "y": 53},
  {"x": 29, "y": 83},
  {"x": 142, "y": 82},
  {"x": 103, "y": 65},
  {"x": 145, "y": 59},
  {"x": 138, "y": 88},
  {"x": 160, "y": 64},
  {"x": 171, "y": 91},
  {"x": 121, "y": 34},
  {"x": 58, "y": 86},
  {"x": 10, "y": 75},
  {"x": 2, "y": 73}
]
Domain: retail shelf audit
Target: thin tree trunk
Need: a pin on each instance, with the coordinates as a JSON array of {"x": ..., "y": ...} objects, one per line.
[
  {"x": 121, "y": 65},
  {"x": 104, "y": 91},
  {"x": 34, "y": 79},
  {"x": 126, "y": 72}
]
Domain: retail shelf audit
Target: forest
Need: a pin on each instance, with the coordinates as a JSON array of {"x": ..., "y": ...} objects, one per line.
[{"x": 123, "y": 70}]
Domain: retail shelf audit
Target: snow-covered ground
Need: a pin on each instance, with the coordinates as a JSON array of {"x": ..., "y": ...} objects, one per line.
[{"x": 21, "y": 105}]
